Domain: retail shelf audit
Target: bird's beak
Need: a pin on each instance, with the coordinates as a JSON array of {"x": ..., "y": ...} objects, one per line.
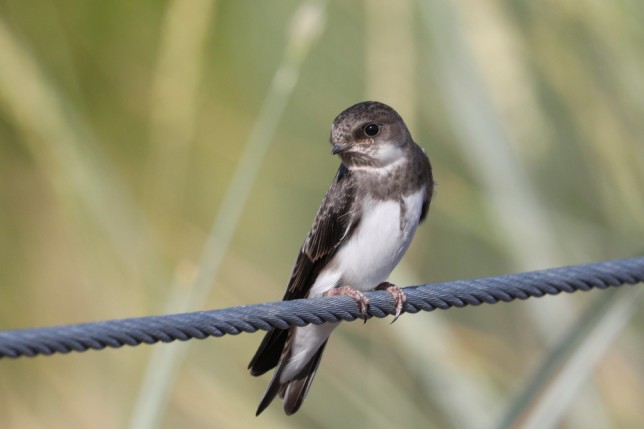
[{"x": 339, "y": 148}]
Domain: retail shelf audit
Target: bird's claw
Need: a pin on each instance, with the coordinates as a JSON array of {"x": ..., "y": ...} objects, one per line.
[
  {"x": 363, "y": 301},
  {"x": 399, "y": 297}
]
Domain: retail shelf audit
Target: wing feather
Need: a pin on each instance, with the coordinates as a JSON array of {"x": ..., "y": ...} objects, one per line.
[{"x": 334, "y": 223}]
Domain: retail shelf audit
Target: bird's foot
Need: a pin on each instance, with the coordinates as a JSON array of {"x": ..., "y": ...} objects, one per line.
[
  {"x": 363, "y": 301},
  {"x": 398, "y": 294}
]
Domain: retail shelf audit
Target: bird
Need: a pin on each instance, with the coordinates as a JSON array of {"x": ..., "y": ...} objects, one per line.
[{"x": 367, "y": 219}]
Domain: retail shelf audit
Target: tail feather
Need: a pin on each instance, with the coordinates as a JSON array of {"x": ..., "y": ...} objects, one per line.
[
  {"x": 294, "y": 391},
  {"x": 297, "y": 389},
  {"x": 271, "y": 391}
]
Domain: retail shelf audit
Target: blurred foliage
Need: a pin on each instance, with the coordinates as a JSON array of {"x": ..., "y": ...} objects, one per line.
[{"x": 124, "y": 124}]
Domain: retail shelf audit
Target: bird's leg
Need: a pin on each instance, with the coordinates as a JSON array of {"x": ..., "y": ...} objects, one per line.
[
  {"x": 397, "y": 294},
  {"x": 363, "y": 301}
]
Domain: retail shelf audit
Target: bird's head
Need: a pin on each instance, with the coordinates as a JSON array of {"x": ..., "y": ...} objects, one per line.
[{"x": 369, "y": 134}]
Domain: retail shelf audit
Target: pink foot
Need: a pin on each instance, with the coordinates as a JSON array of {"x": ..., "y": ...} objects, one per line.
[
  {"x": 362, "y": 300},
  {"x": 397, "y": 294}
]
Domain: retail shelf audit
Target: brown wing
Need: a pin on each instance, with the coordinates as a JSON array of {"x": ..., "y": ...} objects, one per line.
[
  {"x": 424, "y": 169},
  {"x": 334, "y": 223}
]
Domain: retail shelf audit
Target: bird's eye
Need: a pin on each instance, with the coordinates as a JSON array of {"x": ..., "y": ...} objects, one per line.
[{"x": 372, "y": 130}]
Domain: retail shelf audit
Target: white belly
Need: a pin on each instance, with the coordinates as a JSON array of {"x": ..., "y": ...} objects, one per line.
[{"x": 375, "y": 248}]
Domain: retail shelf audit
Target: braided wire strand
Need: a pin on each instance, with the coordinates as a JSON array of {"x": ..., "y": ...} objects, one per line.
[{"x": 284, "y": 314}]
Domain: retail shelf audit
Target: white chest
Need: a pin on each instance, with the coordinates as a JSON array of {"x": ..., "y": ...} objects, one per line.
[{"x": 375, "y": 248}]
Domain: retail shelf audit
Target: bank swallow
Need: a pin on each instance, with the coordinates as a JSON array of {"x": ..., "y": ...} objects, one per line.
[{"x": 366, "y": 222}]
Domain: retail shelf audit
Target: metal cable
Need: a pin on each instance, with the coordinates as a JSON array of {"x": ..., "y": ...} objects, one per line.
[{"x": 284, "y": 314}]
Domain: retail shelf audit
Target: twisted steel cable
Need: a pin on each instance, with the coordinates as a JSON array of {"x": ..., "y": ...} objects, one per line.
[{"x": 284, "y": 314}]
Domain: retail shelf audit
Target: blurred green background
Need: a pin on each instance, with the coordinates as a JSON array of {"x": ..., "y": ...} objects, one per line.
[{"x": 159, "y": 157}]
